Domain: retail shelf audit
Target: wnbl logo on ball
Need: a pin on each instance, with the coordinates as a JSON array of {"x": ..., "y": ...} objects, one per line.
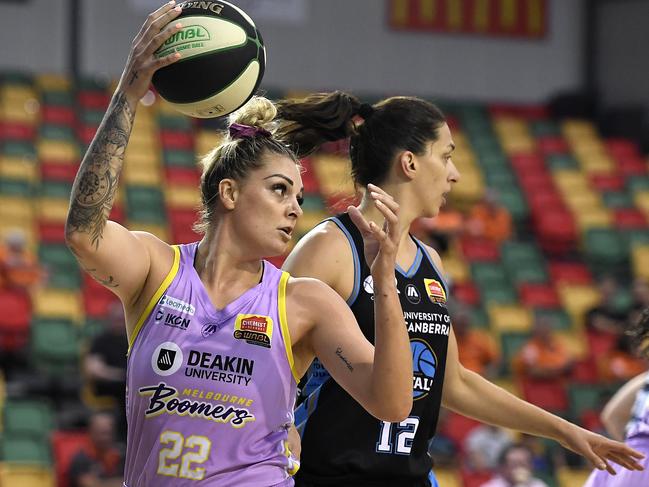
[{"x": 424, "y": 364}]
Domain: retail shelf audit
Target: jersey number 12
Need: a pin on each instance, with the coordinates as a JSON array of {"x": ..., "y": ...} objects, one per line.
[{"x": 405, "y": 433}]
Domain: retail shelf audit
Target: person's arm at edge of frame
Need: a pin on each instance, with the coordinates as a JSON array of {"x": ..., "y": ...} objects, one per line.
[
  {"x": 471, "y": 395},
  {"x": 617, "y": 411}
]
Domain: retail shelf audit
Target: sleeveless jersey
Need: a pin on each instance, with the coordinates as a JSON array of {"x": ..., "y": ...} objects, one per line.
[
  {"x": 210, "y": 393},
  {"x": 342, "y": 444},
  {"x": 639, "y": 422}
]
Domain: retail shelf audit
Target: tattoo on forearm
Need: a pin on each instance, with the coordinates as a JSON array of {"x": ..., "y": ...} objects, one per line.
[
  {"x": 95, "y": 186},
  {"x": 133, "y": 78},
  {"x": 339, "y": 352}
]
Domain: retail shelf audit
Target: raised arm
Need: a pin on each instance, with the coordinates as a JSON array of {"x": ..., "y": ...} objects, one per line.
[
  {"x": 617, "y": 412},
  {"x": 117, "y": 258},
  {"x": 380, "y": 377}
]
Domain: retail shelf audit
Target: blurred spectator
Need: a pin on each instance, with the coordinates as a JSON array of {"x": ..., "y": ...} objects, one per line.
[
  {"x": 639, "y": 297},
  {"x": 19, "y": 268},
  {"x": 620, "y": 363},
  {"x": 483, "y": 446},
  {"x": 103, "y": 464},
  {"x": 515, "y": 469},
  {"x": 441, "y": 230},
  {"x": 105, "y": 362},
  {"x": 477, "y": 349},
  {"x": 543, "y": 356},
  {"x": 489, "y": 219},
  {"x": 605, "y": 317}
]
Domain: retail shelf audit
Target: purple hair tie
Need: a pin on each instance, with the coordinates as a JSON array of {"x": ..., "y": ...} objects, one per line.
[{"x": 240, "y": 131}]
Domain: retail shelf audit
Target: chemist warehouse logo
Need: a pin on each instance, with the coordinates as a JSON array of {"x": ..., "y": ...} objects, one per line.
[
  {"x": 435, "y": 291},
  {"x": 254, "y": 329},
  {"x": 424, "y": 364}
]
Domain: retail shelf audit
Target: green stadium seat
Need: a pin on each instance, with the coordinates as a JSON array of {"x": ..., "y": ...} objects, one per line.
[
  {"x": 19, "y": 149},
  {"x": 502, "y": 293},
  {"x": 16, "y": 187},
  {"x": 62, "y": 267},
  {"x": 313, "y": 202},
  {"x": 180, "y": 123},
  {"x": 589, "y": 396},
  {"x": 510, "y": 343},
  {"x": 558, "y": 317},
  {"x": 531, "y": 270},
  {"x": 57, "y": 132},
  {"x": 179, "y": 158},
  {"x": 485, "y": 273},
  {"x": 638, "y": 183},
  {"x": 91, "y": 117},
  {"x": 604, "y": 249},
  {"x": 55, "y": 346},
  {"x": 28, "y": 418},
  {"x": 25, "y": 450},
  {"x": 561, "y": 161},
  {"x": 502, "y": 179},
  {"x": 58, "y": 98},
  {"x": 512, "y": 198},
  {"x": 617, "y": 199},
  {"x": 55, "y": 189},
  {"x": 544, "y": 128},
  {"x": 495, "y": 161},
  {"x": 514, "y": 252}
]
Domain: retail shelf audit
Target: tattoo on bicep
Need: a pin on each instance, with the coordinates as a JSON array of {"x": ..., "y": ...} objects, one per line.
[
  {"x": 95, "y": 186},
  {"x": 107, "y": 281},
  {"x": 339, "y": 352}
]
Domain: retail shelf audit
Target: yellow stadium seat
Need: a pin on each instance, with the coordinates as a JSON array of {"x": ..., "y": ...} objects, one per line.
[
  {"x": 58, "y": 150},
  {"x": 17, "y": 92},
  {"x": 142, "y": 176},
  {"x": 520, "y": 144},
  {"x": 53, "y": 210},
  {"x": 17, "y": 475},
  {"x": 582, "y": 200},
  {"x": 574, "y": 341},
  {"x": 21, "y": 168},
  {"x": 15, "y": 208},
  {"x": 640, "y": 261},
  {"x": 143, "y": 159},
  {"x": 145, "y": 119},
  {"x": 571, "y": 477},
  {"x": 504, "y": 318},
  {"x": 600, "y": 164},
  {"x": 159, "y": 231},
  {"x": 577, "y": 300},
  {"x": 579, "y": 129},
  {"x": 570, "y": 179},
  {"x": 471, "y": 189},
  {"x": 182, "y": 197},
  {"x": 206, "y": 140},
  {"x": 58, "y": 303},
  {"x": 592, "y": 218},
  {"x": 26, "y": 112},
  {"x": 447, "y": 477},
  {"x": 143, "y": 140},
  {"x": 457, "y": 269},
  {"x": 641, "y": 199},
  {"x": 53, "y": 82}
]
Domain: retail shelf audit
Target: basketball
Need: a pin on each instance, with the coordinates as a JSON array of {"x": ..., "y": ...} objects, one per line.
[
  {"x": 423, "y": 359},
  {"x": 222, "y": 60}
]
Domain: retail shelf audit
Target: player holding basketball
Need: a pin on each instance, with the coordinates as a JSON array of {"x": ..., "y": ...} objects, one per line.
[
  {"x": 629, "y": 405},
  {"x": 218, "y": 337},
  {"x": 405, "y": 145}
]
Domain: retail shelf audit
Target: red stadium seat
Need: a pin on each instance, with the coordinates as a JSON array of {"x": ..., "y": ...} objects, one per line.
[
  {"x": 533, "y": 180},
  {"x": 629, "y": 218},
  {"x": 585, "y": 371},
  {"x": 632, "y": 166},
  {"x": 16, "y": 131},
  {"x": 570, "y": 273},
  {"x": 557, "y": 232},
  {"x": 96, "y": 100},
  {"x": 65, "y": 445},
  {"x": 480, "y": 249},
  {"x": 539, "y": 295},
  {"x": 607, "y": 182},
  {"x": 621, "y": 148},
  {"x": 86, "y": 133},
  {"x": 96, "y": 298},
  {"x": 600, "y": 343},
  {"x": 466, "y": 292},
  {"x": 456, "y": 427},
  {"x": 58, "y": 115},
  {"x": 552, "y": 145},
  {"x": 173, "y": 139},
  {"x": 183, "y": 176},
  {"x": 55, "y": 171},
  {"x": 524, "y": 162},
  {"x": 547, "y": 394},
  {"x": 14, "y": 325},
  {"x": 50, "y": 232}
]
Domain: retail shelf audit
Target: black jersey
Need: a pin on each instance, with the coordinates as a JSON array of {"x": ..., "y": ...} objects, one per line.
[{"x": 342, "y": 444}]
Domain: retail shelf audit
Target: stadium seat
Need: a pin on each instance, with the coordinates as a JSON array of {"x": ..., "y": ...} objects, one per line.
[
  {"x": 58, "y": 303},
  {"x": 28, "y": 418},
  {"x": 448, "y": 477},
  {"x": 510, "y": 344},
  {"x": 466, "y": 292},
  {"x": 479, "y": 250},
  {"x": 538, "y": 295},
  {"x": 24, "y": 450},
  {"x": 546, "y": 394},
  {"x": 14, "y": 326},
  {"x": 19, "y": 475},
  {"x": 629, "y": 218},
  {"x": 509, "y": 318},
  {"x": 456, "y": 427},
  {"x": 570, "y": 273},
  {"x": 577, "y": 300},
  {"x": 65, "y": 445},
  {"x": 54, "y": 346}
]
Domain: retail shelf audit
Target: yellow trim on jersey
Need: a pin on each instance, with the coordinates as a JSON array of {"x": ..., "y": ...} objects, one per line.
[
  {"x": 156, "y": 296},
  {"x": 283, "y": 322}
]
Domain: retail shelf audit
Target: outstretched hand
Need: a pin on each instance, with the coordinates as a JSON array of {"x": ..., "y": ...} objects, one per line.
[
  {"x": 142, "y": 62},
  {"x": 599, "y": 450},
  {"x": 380, "y": 242}
]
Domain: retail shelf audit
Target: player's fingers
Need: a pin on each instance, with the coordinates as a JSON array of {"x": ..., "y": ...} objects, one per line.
[
  {"x": 158, "y": 63},
  {"x": 624, "y": 461},
  {"x": 153, "y": 16},
  {"x": 159, "y": 24},
  {"x": 161, "y": 37},
  {"x": 359, "y": 220}
]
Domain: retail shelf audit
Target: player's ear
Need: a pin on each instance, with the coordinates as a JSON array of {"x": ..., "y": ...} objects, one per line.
[{"x": 228, "y": 193}]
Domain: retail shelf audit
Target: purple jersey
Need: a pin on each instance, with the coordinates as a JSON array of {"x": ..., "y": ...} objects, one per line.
[
  {"x": 639, "y": 423},
  {"x": 210, "y": 393}
]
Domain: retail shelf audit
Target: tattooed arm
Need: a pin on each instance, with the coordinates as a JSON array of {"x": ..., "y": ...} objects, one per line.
[{"x": 115, "y": 257}]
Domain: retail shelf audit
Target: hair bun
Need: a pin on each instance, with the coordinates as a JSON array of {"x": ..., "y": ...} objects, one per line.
[
  {"x": 258, "y": 112},
  {"x": 365, "y": 110}
]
